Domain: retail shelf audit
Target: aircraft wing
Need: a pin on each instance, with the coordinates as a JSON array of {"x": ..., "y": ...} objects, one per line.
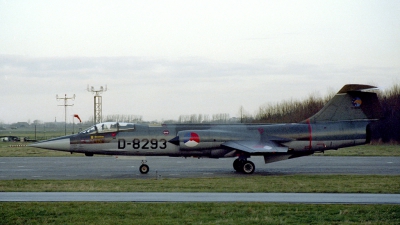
[{"x": 254, "y": 147}]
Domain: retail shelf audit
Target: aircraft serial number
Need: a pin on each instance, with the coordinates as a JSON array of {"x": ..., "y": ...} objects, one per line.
[{"x": 143, "y": 143}]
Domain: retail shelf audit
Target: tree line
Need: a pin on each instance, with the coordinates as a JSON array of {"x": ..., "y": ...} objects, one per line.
[
  {"x": 205, "y": 118},
  {"x": 123, "y": 118},
  {"x": 290, "y": 111},
  {"x": 386, "y": 130}
]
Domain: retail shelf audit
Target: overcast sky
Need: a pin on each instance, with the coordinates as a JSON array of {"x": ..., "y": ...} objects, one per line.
[{"x": 162, "y": 59}]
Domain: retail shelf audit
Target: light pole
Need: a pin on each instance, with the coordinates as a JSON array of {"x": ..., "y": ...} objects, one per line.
[{"x": 65, "y": 107}]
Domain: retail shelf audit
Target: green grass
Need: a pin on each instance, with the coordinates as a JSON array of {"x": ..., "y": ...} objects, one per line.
[
  {"x": 41, "y": 133},
  {"x": 196, "y": 213},
  {"x": 290, "y": 183},
  {"x": 204, "y": 213},
  {"x": 365, "y": 150},
  {"x": 25, "y": 151}
]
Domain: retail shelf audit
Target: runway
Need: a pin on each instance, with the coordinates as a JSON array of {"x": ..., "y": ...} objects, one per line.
[
  {"x": 309, "y": 198},
  {"x": 67, "y": 168}
]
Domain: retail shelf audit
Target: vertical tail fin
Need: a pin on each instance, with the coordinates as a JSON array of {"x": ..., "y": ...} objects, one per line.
[{"x": 350, "y": 103}]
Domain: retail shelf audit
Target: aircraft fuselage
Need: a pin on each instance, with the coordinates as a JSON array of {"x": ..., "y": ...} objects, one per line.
[{"x": 159, "y": 141}]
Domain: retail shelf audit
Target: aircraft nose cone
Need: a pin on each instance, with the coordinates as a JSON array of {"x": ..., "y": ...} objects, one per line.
[{"x": 61, "y": 144}]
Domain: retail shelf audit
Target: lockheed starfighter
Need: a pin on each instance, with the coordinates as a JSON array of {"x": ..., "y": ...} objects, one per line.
[{"x": 343, "y": 122}]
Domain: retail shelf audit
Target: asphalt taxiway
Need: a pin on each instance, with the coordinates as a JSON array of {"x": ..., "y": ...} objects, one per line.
[
  {"x": 309, "y": 198},
  {"x": 67, "y": 168}
]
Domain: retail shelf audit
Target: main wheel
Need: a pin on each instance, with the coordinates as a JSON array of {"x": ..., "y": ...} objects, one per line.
[
  {"x": 248, "y": 167},
  {"x": 237, "y": 165},
  {"x": 144, "y": 169}
]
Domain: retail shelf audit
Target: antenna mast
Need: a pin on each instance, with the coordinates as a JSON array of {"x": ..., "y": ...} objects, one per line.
[
  {"x": 65, "y": 107},
  {"x": 98, "y": 108}
]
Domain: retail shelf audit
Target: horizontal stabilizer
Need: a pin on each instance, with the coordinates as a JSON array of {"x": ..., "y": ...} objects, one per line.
[
  {"x": 254, "y": 147},
  {"x": 355, "y": 87}
]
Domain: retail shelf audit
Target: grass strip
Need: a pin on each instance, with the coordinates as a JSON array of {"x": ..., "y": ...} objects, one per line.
[
  {"x": 364, "y": 150},
  {"x": 196, "y": 213},
  {"x": 254, "y": 183}
]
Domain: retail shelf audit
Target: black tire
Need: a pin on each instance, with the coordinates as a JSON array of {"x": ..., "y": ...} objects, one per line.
[
  {"x": 237, "y": 165},
  {"x": 144, "y": 169},
  {"x": 248, "y": 167}
]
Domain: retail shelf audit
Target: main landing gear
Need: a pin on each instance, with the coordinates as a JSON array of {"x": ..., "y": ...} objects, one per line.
[
  {"x": 144, "y": 168},
  {"x": 244, "y": 166}
]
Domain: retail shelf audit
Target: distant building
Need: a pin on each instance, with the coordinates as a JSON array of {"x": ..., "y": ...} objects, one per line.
[{"x": 20, "y": 125}]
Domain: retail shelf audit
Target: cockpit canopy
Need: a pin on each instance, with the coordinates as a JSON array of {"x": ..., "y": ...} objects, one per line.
[{"x": 108, "y": 127}]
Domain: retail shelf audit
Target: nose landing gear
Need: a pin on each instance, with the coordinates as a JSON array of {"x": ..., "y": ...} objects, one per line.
[{"x": 144, "y": 168}]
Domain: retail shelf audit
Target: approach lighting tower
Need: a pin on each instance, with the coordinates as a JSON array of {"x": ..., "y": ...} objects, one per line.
[
  {"x": 97, "y": 103},
  {"x": 65, "y": 107}
]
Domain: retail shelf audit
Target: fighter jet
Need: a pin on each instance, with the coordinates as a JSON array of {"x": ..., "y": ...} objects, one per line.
[{"x": 343, "y": 122}]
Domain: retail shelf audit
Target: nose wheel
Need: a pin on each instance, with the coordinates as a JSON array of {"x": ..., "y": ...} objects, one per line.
[{"x": 144, "y": 168}]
